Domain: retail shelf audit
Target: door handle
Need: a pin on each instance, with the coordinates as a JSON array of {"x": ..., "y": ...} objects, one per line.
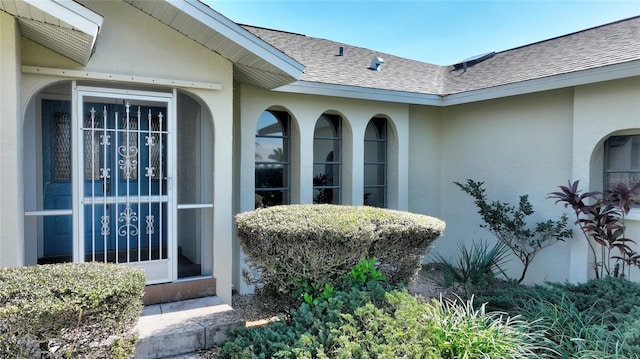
[{"x": 106, "y": 186}]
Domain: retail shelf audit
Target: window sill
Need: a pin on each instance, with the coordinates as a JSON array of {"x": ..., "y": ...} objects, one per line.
[{"x": 634, "y": 215}]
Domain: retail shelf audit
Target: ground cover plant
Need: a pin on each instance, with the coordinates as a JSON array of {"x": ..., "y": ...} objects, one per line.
[
  {"x": 297, "y": 249},
  {"x": 363, "y": 319},
  {"x": 596, "y": 319},
  {"x": 81, "y": 310}
]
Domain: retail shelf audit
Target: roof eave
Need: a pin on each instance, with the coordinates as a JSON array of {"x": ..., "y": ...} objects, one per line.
[
  {"x": 361, "y": 93},
  {"x": 577, "y": 78},
  {"x": 235, "y": 33},
  {"x": 49, "y": 22}
]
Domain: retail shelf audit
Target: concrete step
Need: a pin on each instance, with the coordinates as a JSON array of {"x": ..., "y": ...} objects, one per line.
[{"x": 172, "y": 329}]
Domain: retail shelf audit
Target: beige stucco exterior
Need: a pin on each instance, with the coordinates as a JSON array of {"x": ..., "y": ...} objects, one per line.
[
  {"x": 527, "y": 144},
  {"x": 521, "y": 144},
  {"x": 125, "y": 48},
  {"x": 516, "y": 145},
  {"x": 601, "y": 110}
]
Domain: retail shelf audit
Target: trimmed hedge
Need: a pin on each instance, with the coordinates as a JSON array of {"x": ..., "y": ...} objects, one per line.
[
  {"x": 70, "y": 310},
  {"x": 288, "y": 246}
]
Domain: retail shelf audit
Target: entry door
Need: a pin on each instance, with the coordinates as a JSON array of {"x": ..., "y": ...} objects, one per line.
[
  {"x": 125, "y": 201},
  {"x": 57, "y": 244}
]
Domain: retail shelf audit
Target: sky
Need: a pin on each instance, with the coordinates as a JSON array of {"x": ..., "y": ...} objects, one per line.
[{"x": 438, "y": 32}]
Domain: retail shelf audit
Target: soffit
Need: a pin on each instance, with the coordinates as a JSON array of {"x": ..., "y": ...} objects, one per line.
[
  {"x": 255, "y": 61},
  {"x": 65, "y": 27}
]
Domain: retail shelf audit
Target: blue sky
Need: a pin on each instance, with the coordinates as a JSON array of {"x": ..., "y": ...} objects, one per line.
[{"x": 439, "y": 32}]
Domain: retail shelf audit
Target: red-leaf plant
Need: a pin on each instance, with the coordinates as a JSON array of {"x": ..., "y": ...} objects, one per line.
[{"x": 601, "y": 218}]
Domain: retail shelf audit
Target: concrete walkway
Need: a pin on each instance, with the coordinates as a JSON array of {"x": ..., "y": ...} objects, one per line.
[{"x": 179, "y": 329}]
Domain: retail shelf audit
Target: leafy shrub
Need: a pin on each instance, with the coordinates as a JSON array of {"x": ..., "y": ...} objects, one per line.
[
  {"x": 287, "y": 246},
  {"x": 375, "y": 324},
  {"x": 509, "y": 224},
  {"x": 365, "y": 274},
  {"x": 69, "y": 310},
  {"x": 362, "y": 276},
  {"x": 601, "y": 218}
]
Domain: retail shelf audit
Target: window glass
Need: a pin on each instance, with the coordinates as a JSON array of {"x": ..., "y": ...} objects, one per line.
[
  {"x": 375, "y": 163},
  {"x": 272, "y": 159},
  {"x": 327, "y": 159},
  {"x": 622, "y": 160}
]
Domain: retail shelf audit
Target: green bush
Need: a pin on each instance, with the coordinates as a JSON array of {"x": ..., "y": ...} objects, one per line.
[
  {"x": 375, "y": 324},
  {"x": 316, "y": 244},
  {"x": 69, "y": 310},
  {"x": 308, "y": 329}
]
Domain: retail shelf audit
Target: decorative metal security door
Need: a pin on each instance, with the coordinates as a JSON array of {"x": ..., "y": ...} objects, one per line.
[{"x": 126, "y": 212}]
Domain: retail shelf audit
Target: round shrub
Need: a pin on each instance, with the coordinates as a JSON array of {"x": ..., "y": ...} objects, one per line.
[
  {"x": 70, "y": 310},
  {"x": 288, "y": 246}
]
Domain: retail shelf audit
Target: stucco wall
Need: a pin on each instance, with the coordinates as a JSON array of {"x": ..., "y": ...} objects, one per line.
[
  {"x": 425, "y": 159},
  {"x": 11, "y": 224},
  {"x": 517, "y": 145},
  {"x": 600, "y": 110},
  {"x": 132, "y": 42}
]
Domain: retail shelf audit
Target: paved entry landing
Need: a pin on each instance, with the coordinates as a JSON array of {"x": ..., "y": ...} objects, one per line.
[{"x": 172, "y": 329}]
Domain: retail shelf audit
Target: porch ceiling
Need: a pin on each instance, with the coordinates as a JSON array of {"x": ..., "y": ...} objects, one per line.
[
  {"x": 255, "y": 61},
  {"x": 62, "y": 26}
]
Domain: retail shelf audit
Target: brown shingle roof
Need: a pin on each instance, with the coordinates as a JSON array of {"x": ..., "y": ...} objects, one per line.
[
  {"x": 323, "y": 65},
  {"x": 609, "y": 44}
]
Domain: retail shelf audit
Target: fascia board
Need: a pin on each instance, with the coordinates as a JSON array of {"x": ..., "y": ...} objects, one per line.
[
  {"x": 600, "y": 74},
  {"x": 360, "y": 93},
  {"x": 605, "y": 73},
  {"x": 71, "y": 13},
  {"x": 240, "y": 36}
]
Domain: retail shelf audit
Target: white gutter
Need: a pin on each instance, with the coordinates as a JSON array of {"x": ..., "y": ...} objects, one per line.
[
  {"x": 361, "y": 93},
  {"x": 240, "y": 36},
  {"x": 606, "y": 73}
]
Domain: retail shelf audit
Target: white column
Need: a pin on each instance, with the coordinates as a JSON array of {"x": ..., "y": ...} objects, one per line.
[{"x": 11, "y": 188}]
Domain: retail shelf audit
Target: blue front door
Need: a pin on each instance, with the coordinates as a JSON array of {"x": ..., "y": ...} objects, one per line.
[{"x": 56, "y": 179}]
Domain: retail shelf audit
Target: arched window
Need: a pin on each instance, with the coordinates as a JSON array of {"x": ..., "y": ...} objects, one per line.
[
  {"x": 621, "y": 160},
  {"x": 327, "y": 159},
  {"x": 375, "y": 163},
  {"x": 272, "y": 159}
]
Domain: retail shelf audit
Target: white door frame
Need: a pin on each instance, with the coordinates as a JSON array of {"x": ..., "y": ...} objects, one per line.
[{"x": 157, "y": 271}]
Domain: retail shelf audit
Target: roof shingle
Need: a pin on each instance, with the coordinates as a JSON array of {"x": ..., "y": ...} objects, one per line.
[{"x": 604, "y": 45}]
